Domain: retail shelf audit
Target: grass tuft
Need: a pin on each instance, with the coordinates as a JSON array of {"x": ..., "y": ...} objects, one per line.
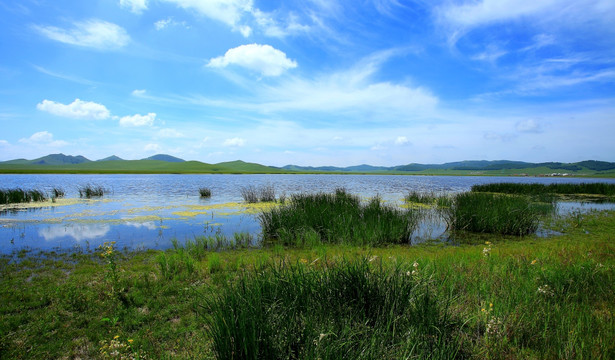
[
  {"x": 15, "y": 196},
  {"x": 251, "y": 194},
  {"x": 339, "y": 218},
  {"x": 205, "y": 192}
]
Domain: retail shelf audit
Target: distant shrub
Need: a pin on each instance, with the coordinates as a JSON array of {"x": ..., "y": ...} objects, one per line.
[{"x": 205, "y": 192}]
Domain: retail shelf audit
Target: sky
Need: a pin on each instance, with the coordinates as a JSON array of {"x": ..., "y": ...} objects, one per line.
[{"x": 309, "y": 82}]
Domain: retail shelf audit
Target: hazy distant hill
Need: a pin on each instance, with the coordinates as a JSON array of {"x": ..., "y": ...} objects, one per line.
[
  {"x": 112, "y": 158},
  {"x": 164, "y": 157},
  {"x": 162, "y": 163}
]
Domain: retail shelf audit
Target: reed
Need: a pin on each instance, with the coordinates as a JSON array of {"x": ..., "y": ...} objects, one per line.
[
  {"x": 57, "y": 193},
  {"x": 535, "y": 189},
  {"x": 493, "y": 213},
  {"x": 90, "y": 191},
  {"x": 205, "y": 192},
  {"x": 421, "y": 197},
  {"x": 252, "y": 194},
  {"x": 15, "y": 196},
  {"x": 338, "y": 218},
  {"x": 345, "y": 310}
]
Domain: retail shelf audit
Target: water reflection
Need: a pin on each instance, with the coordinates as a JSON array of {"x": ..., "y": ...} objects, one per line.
[{"x": 75, "y": 231}]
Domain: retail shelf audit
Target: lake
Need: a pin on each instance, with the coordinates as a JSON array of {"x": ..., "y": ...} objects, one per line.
[{"x": 149, "y": 211}]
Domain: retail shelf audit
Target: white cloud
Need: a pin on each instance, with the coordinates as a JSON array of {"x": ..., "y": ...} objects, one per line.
[
  {"x": 234, "y": 142},
  {"x": 262, "y": 58},
  {"x": 528, "y": 126},
  {"x": 169, "y": 133},
  {"x": 138, "y": 92},
  {"x": 43, "y": 138},
  {"x": 138, "y": 120},
  {"x": 4, "y": 143},
  {"x": 152, "y": 148},
  {"x": 78, "y": 109},
  {"x": 165, "y": 23},
  {"x": 136, "y": 6},
  {"x": 272, "y": 27},
  {"x": 92, "y": 33},
  {"x": 229, "y": 12},
  {"x": 401, "y": 140}
]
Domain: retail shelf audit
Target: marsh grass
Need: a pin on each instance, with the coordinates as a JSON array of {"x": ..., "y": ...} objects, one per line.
[
  {"x": 428, "y": 198},
  {"x": 15, "y": 196},
  {"x": 252, "y": 194},
  {"x": 497, "y": 214},
  {"x": 536, "y": 189},
  {"x": 57, "y": 193},
  {"x": 338, "y": 218},
  {"x": 346, "y": 309},
  {"x": 90, "y": 191},
  {"x": 531, "y": 298},
  {"x": 205, "y": 192}
]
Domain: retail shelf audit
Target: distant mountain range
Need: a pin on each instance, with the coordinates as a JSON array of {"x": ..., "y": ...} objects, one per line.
[{"x": 162, "y": 163}]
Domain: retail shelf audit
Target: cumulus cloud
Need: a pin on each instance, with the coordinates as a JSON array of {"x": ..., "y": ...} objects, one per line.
[
  {"x": 229, "y": 12},
  {"x": 43, "y": 138},
  {"x": 78, "y": 109},
  {"x": 138, "y": 120},
  {"x": 4, "y": 143},
  {"x": 136, "y": 6},
  {"x": 92, "y": 33},
  {"x": 77, "y": 232},
  {"x": 234, "y": 142},
  {"x": 261, "y": 58}
]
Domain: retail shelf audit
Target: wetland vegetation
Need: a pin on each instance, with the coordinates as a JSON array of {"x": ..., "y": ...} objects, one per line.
[{"x": 335, "y": 278}]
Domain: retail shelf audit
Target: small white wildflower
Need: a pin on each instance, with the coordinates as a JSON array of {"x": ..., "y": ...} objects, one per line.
[
  {"x": 487, "y": 251},
  {"x": 546, "y": 290},
  {"x": 494, "y": 327},
  {"x": 415, "y": 265}
]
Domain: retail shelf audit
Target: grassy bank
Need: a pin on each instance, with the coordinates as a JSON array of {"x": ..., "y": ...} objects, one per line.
[{"x": 510, "y": 298}]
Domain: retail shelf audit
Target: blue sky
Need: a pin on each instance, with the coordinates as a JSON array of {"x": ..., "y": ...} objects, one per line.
[{"x": 309, "y": 82}]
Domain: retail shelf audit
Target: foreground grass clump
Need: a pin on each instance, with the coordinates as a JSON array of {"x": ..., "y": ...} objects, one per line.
[
  {"x": 15, "y": 196},
  {"x": 338, "y": 218},
  {"x": 90, "y": 191},
  {"x": 537, "y": 189},
  {"x": 341, "y": 310},
  {"x": 496, "y": 214}
]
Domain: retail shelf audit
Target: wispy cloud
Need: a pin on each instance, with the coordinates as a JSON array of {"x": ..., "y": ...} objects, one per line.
[
  {"x": 43, "y": 138},
  {"x": 70, "y": 78},
  {"x": 234, "y": 142},
  {"x": 136, "y": 6},
  {"x": 94, "y": 33},
  {"x": 229, "y": 12}
]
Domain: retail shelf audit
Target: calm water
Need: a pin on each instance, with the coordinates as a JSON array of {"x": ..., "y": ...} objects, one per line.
[{"x": 148, "y": 211}]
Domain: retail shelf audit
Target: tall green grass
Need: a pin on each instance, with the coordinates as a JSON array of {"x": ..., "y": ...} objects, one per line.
[
  {"x": 496, "y": 214},
  {"x": 534, "y": 189},
  {"x": 345, "y": 310},
  {"x": 14, "y": 196},
  {"x": 338, "y": 218}
]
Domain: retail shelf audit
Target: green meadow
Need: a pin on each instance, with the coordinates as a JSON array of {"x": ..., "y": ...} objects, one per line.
[{"x": 317, "y": 290}]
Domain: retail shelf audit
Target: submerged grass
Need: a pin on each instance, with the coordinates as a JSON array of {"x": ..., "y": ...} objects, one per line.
[
  {"x": 532, "y": 298},
  {"x": 90, "y": 191},
  {"x": 15, "y": 196},
  {"x": 338, "y": 218}
]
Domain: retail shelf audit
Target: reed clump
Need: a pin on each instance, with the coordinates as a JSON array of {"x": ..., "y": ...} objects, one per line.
[
  {"x": 338, "y": 218},
  {"x": 57, "y": 193},
  {"x": 346, "y": 310},
  {"x": 90, "y": 191},
  {"x": 17, "y": 195},
  {"x": 252, "y": 194},
  {"x": 495, "y": 213},
  {"x": 205, "y": 192}
]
